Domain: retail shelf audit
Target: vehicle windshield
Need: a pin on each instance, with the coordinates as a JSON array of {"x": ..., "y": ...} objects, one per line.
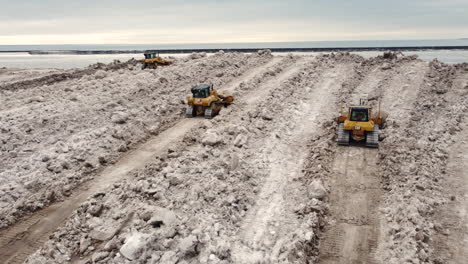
[
  {"x": 200, "y": 93},
  {"x": 360, "y": 115},
  {"x": 150, "y": 56}
]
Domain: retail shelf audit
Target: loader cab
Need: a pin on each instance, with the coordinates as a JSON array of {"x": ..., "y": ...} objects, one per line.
[
  {"x": 359, "y": 114},
  {"x": 202, "y": 91}
]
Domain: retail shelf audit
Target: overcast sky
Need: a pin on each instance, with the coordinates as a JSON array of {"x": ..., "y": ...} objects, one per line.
[{"x": 210, "y": 21}]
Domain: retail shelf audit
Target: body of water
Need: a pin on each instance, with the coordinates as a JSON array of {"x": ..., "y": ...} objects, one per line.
[{"x": 11, "y": 57}]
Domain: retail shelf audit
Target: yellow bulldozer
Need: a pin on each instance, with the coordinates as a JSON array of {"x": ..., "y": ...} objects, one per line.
[
  {"x": 206, "y": 101},
  {"x": 152, "y": 60},
  {"x": 359, "y": 124}
]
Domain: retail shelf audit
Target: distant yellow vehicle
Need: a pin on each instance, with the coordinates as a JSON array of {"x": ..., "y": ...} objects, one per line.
[
  {"x": 152, "y": 60},
  {"x": 358, "y": 124},
  {"x": 206, "y": 101}
]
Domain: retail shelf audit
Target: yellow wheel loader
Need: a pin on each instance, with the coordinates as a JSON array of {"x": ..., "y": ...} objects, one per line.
[
  {"x": 358, "y": 124},
  {"x": 152, "y": 60},
  {"x": 206, "y": 101}
]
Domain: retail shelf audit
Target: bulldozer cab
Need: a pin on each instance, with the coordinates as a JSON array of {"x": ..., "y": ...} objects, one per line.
[
  {"x": 359, "y": 114},
  {"x": 202, "y": 91},
  {"x": 151, "y": 54}
]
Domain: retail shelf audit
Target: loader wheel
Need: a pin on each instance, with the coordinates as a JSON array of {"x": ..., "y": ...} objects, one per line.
[
  {"x": 143, "y": 66},
  {"x": 189, "y": 112},
  {"x": 343, "y": 136}
]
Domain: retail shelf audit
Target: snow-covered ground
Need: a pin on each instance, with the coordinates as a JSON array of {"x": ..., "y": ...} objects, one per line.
[{"x": 99, "y": 165}]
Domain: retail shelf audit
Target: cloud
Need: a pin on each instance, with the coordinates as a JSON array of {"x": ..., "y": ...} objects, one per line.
[{"x": 176, "y": 21}]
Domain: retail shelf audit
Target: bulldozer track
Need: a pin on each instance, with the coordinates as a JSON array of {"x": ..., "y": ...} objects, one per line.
[
  {"x": 22, "y": 239},
  {"x": 343, "y": 136},
  {"x": 372, "y": 139}
]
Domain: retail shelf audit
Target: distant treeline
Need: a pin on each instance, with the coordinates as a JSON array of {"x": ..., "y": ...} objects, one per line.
[{"x": 166, "y": 51}]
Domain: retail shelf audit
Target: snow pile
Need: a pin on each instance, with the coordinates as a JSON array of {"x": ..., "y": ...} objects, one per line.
[
  {"x": 413, "y": 162},
  {"x": 207, "y": 187},
  {"x": 55, "y": 136},
  {"x": 193, "y": 203}
]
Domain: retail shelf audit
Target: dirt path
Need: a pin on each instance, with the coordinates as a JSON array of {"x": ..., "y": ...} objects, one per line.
[
  {"x": 251, "y": 74},
  {"x": 262, "y": 93},
  {"x": 19, "y": 241},
  {"x": 355, "y": 192},
  {"x": 271, "y": 222},
  {"x": 399, "y": 95},
  {"x": 354, "y": 200},
  {"x": 353, "y": 195}
]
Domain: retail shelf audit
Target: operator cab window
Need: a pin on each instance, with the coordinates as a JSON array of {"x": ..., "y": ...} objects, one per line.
[
  {"x": 360, "y": 115},
  {"x": 200, "y": 93}
]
